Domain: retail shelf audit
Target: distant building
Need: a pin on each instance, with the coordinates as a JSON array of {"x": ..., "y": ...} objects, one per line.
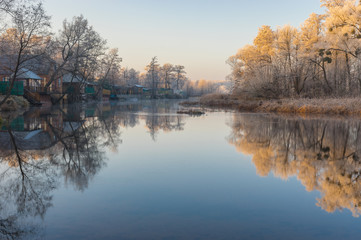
[
  {"x": 73, "y": 87},
  {"x": 136, "y": 89},
  {"x": 32, "y": 77}
]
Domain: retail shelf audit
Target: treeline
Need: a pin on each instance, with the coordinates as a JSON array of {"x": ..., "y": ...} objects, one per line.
[
  {"x": 320, "y": 58},
  {"x": 76, "y": 49},
  {"x": 173, "y": 76},
  {"x": 167, "y": 76}
]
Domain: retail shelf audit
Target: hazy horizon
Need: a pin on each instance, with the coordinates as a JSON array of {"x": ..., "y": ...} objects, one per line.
[{"x": 199, "y": 35}]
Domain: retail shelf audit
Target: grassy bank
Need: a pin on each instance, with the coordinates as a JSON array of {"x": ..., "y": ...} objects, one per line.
[
  {"x": 14, "y": 103},
  {"x": 339, "y": 106}
]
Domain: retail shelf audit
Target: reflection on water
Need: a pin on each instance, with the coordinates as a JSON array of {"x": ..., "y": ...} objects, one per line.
[
  {"x": 323, "y": 154},
  {"x": 174, "y": 175},
  {"x": 42, "y": 146}
]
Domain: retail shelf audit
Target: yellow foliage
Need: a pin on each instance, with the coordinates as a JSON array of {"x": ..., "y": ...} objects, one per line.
[
  {"x": 311, "y": 32},
  {"x": 322, "y": 154},
  {"x": 264, "y": 41}
]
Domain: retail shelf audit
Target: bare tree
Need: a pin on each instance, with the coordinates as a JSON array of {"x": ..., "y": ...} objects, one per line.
[
  {"x": 180, "y": 75},
  {"x": 77, "y": 49},
  {"x": 6, "y": 6},
  {"x": 25, "y": 40},
  {"x": 133, "y": 76},
  {"x": 110, "y": 64},
  {"x": 167, "y": 74},
  {"x": 152, "y": 70}
]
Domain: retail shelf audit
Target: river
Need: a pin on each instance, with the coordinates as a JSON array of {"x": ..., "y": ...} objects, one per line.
[{"x": 139, "y": 170}]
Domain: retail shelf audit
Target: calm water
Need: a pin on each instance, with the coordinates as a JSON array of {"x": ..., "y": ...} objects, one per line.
[{"x": 141, "y": 171}]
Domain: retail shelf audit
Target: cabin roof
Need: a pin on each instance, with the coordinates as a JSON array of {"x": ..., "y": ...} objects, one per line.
[
  {"x": 27, "y": 74},
  {"x": 70, "y": 78}
]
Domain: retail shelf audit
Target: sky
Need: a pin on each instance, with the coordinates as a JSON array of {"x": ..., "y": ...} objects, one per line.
[{"x": 199, "y": 34}]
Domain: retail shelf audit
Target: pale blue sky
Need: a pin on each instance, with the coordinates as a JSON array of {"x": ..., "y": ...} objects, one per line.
[{"x": 199, "y": 34}]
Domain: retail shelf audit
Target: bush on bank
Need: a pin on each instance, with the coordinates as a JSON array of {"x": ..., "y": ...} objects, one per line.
[{"x": 14, "y": 103}]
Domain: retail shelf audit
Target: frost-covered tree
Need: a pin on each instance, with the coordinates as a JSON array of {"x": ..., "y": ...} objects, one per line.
[
  {"x": 167, "y": 74},
  {"x": 26, "y": 37},
  {"x": 180, "y": 76},
  {"x": 153, "y": 75},
  {"x": 320, "y": 58},
  {"x": 133, "y": 76},
  {"x": 77, "y": 49}
]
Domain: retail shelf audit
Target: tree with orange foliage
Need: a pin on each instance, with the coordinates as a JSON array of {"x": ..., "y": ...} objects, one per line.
[{"x": 321, "y": 58}]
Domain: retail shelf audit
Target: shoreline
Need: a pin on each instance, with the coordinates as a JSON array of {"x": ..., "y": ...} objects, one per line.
[{"x": 299, "y": 106}]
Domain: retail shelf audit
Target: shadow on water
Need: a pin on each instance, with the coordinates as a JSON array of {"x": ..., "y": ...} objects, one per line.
[
  {"x": 323, "y": 154},
  {"x": 43, "y": 146}
]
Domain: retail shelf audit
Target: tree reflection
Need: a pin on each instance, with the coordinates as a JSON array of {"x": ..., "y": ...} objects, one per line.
[
  {"x": 76, "y": 155},
  {"x": 160, "y": 117},
  {"x": 323, "y": 154},
  {"x": 43, "y": 146},
  {"x": 34, "y": 153},
  {"x": 26, "y": 183}
]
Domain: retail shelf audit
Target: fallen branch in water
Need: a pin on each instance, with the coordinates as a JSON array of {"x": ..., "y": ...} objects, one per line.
[{"x": 192, "y": 112}]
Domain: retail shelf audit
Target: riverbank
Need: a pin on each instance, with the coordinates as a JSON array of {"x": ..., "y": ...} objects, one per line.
[
  {"x": 14, "y": 103},
  {"x": 336, "y": 106}
]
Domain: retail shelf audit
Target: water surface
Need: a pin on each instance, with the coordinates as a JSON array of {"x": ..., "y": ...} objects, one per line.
[{"x": 141, "y": 171}]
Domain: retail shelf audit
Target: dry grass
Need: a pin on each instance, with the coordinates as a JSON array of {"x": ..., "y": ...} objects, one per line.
[
  {"x": 336, "y": 106},
  {"x": 228, "y": 102},
  {"x": 222, "y": 101},
  {"x": 345, "y": 106}
]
